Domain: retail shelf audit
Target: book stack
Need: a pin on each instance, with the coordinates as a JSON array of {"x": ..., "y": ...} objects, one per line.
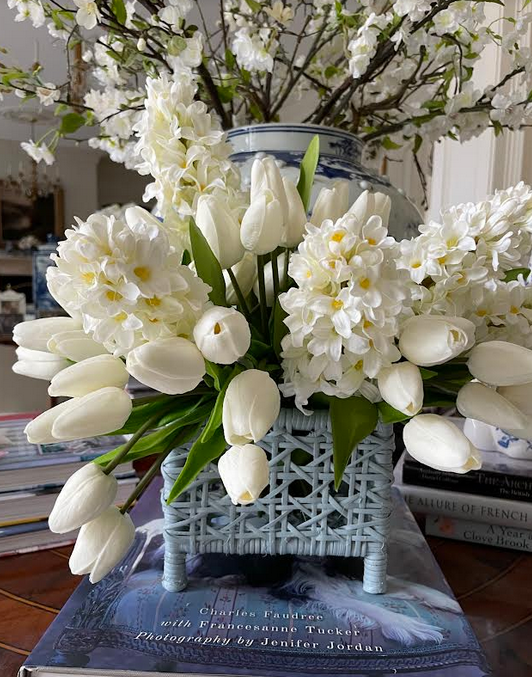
[
  {"x": 31, "y": 476},
  {"x": 490, "y": 506}
]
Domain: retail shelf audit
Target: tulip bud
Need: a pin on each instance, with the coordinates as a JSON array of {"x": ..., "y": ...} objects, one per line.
[
  {"x": 245, "y": 473},
  {"x": 101, "y": 544},
  {"x": 221, "y": 230},
  {"x": 97, "y": 413},
  {"x": 251, "y": 406},
  {"x": 172, "y": 365},
  {"x": 296, "y": 218},
  {"x": 86, "y": 494},
  {"x": 427, "y": 340},
  {"x": 92, "y": 374},
  {"x": 268, "y": 279},
  {"x": 369, "y": 204},
  {"x": 262, "y": 226},
  {"x": 331, "y": 203},
  {"x": 75, "y": 345},
  {"x": 39, "y": 430},
  {"x": 500, "y": 363},
  {"x": 435, "y": 441},
  {"x": 265, "y": 176},
  {"x": 520, "y": 396},
  {"x": 222, "y": 335},
  {"x": 401, "y": 386},
  {"x": 478, "y": 401},
  {"x": 35, "y": 334},
  {"x": 245, "y": 272},
  {"x": 38, "y": 364}
]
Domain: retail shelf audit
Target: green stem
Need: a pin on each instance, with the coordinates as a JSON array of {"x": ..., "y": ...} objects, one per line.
[
  {"x": 240, "y": 296},
  {"x": 131, "y": 442},
  {"x": 262, "y": 295},
  {"x": 275, "y": 276},
  {"x": 285, "y": 272}
]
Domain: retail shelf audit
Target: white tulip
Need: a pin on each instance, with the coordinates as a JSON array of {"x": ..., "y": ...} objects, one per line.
[
  {"x": 520, "y": 396},
  {"x": 500, "y": 363},
  {"x": 86, "y": 494},
  {"x": 38, "y": 364},
  {"x": 35, "y": 334},
  {"x": 245, "y": 272},
  {"x": 435, "y": 441},
  {"x": 39, "y": 430},
  {"x": 427, "y": 340},
  {"x": 92, "y": 374},
  {"x": 137, "y": 217},
  {"x": 244, "y": 472},
  {"x": 478, "y": 401},
  {"x": 172, "y": 365},
  {"x": 101, "y": 544},
  {"x": 369, "y": 204},
  {"x": 268, "y": 279},
  {"x": 251, "y": 406},
  {"x": 401, "y": 386},
  {"x": 331, "y": 203},
  {"x": 222, "y": 335},
  {"x": 265, "y": 176},
  {"x": 97, "y": 413},
  {"x": 261, "y": 230},
  {"x": 296, "y": 218},
  {"x": 75, "y": 345},
  {"x": 221, "y": 230}
]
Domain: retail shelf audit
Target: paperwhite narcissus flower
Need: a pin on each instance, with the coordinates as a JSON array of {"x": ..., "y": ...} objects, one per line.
[
  {"x": 98, "y": 413},
  {"x": 221, "y": 230},
  {"x": 101, "y": 544},
  {"x": 401, "y": 386},
  {"x": 94, "y": 373},
  {"x": 244, "y": 472},
  {"x": 251, "y": 406},
  {"x": 331, "y": 203},
  {"x": 39, "y": 430},
  {"x": 38, "y": 364},
  {"x": 35, "y": 334},
  {"x": 172, "y": 366},
  {"x": 265, "y": 176},
  {"x": 427, "y": 340},
  {"x": 222, "y": 335},
  {"x": 435, "y": 441},
  {"x": 296, "y": 216},
  {"x": 478, "y": 401},
  {"x": 75, "y": 345},
  {"x": 245, "y": 272},
  {"x": 500, "y": 363},
  {"x": 268, "y": 279},
  {"x": 261, "y": 230},
  {"x": 86, "y": 494}
]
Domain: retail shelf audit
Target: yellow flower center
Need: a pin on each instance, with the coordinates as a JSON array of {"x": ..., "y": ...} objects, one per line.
[
  {"x": 113, "y": 295},
  {"x": 358, "y": 366},
  {"x": 143, "y": 273},
  {"x": 88, "y": 277},
  {"x": 217, "y": 328},
  {"x": 416, "y": 264},
  {"x": 365, "y": 283},
  {"x": 372, "y": 241},
  {"x": 514, "y": 310},
  {"x": 442, "y": 260},
  {"x": 120, "y": 317},
  {"x": 481, "y": 312},
  {"x": 154, "y": 302},
  {"x": 308, "y": 274},
  {"x": 367, "y": 324},
  {"x": 452, "y": 242},
  {"x": 338, "y": 236},
  {"x": 337, "y": 304}
]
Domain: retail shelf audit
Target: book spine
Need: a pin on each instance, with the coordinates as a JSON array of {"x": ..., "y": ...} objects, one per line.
[
  {"x": 428, "y": 501},
  {"x": 477, "y": 532},
  {"x": 481, "y": 482}
]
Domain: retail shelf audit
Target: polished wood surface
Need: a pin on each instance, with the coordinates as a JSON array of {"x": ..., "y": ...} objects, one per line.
[{"x": 493, "y": 586}]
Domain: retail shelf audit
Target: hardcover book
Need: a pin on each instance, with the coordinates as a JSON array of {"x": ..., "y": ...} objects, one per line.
[
  {"x": 261, "y": 616},
  {"x": 477, "y": 532}
]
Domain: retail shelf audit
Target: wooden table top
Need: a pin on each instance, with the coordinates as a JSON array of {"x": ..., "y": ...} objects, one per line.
[{"x": 493, "y": 586}]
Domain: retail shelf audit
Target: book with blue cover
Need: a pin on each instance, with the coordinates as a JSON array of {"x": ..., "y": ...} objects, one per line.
[{"x": 262, "y": 616}]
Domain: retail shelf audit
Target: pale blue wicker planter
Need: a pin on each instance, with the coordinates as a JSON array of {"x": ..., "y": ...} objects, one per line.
[{"x": 353, "y": 522}]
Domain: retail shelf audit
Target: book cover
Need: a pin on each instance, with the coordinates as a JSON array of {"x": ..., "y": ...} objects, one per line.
[
  {"x": 275, "y": 617},
  {"x": 477, "y": 532}
]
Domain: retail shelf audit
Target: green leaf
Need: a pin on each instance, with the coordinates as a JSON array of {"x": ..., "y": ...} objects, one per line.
[
  {"x": 119, "y": 10},
  {"x": 71, "y": 122},
  {"x": 198, "y": 457},
  {"x": 514, "y": 273},
  {"x": 141, "y": 412},
  {"x": 352, "y": 420},
  {"x": 207, "y": 265},
  {"x": 307, "y": 170},
  {"x": 176, "y": 45},
  {"x": 230, "y": 60},
  {"x": 390, "y": 415},
  {"x": 389, "y": 144},
  {"x": 427, "y": 374},
  {"x": 279, "y": 328},
  {"x": 254, "y": 5}
]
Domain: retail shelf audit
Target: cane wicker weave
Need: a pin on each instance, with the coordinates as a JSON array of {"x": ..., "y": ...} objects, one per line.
[{"x": 301, "y": 514}]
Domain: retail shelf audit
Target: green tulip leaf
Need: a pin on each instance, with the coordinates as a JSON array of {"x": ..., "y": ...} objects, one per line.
[
  {"x": 307, "y": 170},
  {"x": 427, "y": 374},
  {"x": 514, "y": 273},
  {"x": 389, "y": 414},
  {"x": 279, "y": 328},
  {"x": 352, "y": 419},
  {"x": 207, "y": 265},
  {"x": 198, "y": 457}
]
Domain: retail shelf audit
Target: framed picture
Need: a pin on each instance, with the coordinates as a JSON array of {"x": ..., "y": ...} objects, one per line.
[{"x": 21, "y": 215}]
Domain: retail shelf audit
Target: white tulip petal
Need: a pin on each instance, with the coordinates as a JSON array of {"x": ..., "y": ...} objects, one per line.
[
  {"x": 89, "y": 375},
  {"x": 245, "y": 473},
  {"x": 500, "y": 363},
  {"x": 222, "y": 335},
  {"x": 75, "y": 345},
  {"x": 401, "y": 386},
  {"x": 35, "y": 334},
  {"x": 39, "y": 430},
  {"x": 428, "y": 340},
  {"x": 478, "y": 401}
]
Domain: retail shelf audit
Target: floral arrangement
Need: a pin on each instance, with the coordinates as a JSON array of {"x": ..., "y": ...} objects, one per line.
[{"x": 394, "y": 72}]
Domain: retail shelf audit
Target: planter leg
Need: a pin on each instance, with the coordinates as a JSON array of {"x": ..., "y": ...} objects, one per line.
[
  {"x": 375, "y": 571},
  {"x": 175, "y": 571}
]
